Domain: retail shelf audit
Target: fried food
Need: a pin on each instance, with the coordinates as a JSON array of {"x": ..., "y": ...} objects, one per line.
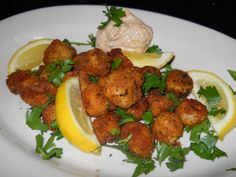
[
  {"x": 106, "y": 127},
  {"x": 116, "y": 53},
  {"x": 94, "y": 62},
  {"x": 49, "y": 115},
  {"x": 158, "y": 103},
  {"x": 38, "y": 93},
  {"x": 150, "y": 69},
  {"x": 179, "y": 82},
  {"x": 138, "y": 109},
  {"x": 58, "y": 50},
  {"x": 94, "y": 100},
  {"x": 191, "y": 112},
  {"x": 168, "y": 128},
  {"x": 141, "y": 142},
  {"x": 121, "y": 90},
  {"x": 20, "y": 80}
]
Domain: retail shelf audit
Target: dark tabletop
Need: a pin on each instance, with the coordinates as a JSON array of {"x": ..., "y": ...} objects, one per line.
[{"x": 218, "y": 15}]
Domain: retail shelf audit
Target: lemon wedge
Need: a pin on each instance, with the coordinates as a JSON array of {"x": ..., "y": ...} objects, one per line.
[
  {"x": 222, "y": 123},
  {"x": 29, "y": 55},
  {"x": 149, "y": 59},
  {"x": 73, "y": 121}
]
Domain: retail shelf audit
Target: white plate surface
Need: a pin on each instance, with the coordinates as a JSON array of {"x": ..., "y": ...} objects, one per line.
[{"x": 195, "y": 47}]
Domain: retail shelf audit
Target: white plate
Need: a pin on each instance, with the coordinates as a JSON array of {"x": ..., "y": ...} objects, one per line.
[{"x": 195, "y": 47}]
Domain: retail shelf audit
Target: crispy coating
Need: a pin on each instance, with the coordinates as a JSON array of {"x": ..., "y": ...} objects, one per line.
[
  {"x": 138, "y": 109},
  {"x": 191, "y": 112},
  {"x": 142, "y": 140},
  {"x": 58, "y": 50},
  {"x": 20, "y": 80},
  {"x": 158, "y": 103},
  {"x": 121, "y": 90},
  {"x": 49, "y": 115},
  {"x": 43, "y": 73},
  {"x": 137, "y": 75},
  {"x": 179, "y": 82},
  {"x": 70, "y": 74},
  {"x": 150, "y": 69},
  {"x": 38, "y": 93},
  {"x": 94, "y": 100},
  {"x": 94, "y": 62},
  {"x": 106, "y": 127},
  {"x": 83, "y": 80},
  {"x": 168, "y": 128},
  {"x": 116, "y": 53}
]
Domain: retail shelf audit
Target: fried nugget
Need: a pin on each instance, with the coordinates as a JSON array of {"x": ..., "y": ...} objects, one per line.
[
  {"x": 38, "y": 93},
  {"x": 141, "y": 142},
  {"x": 191, "y": 112},
  {"x": 179, "y": 82},
  {"x": 121, "y": 90},
  {"x": 168, "y": 128},
  {"x": 158, "y": 103},
  {"x": 138, "y": 109},
  {"x": 58, "y": 50},
  {"x": 94, "y": 62},
  {"x": 94, "y": 100},
  {"x": 20, "y": 80},
  {"x": 106, "y": 127}
]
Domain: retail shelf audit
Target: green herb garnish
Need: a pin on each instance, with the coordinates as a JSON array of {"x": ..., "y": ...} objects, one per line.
[
  {"x": 49, "y": 149},
  {"x": 125, "y": 117},
  {"x": 203, "y": 142},
  {"x": 215, "y": 111},
  {"x": 148, "y": 117},
  {"x": 113, "y": 14},
  {"x": 211, "y": 94},
  {"x": 175, "y": 101},
  {"x": 93, "y": 79},
  {"x": 175, "y": 155},
  {"x": 115, "y": 131},
  {"x": 232, "y": 74},
  {"x": 116, "y": 63},
  {"x": 57, "y": 70},
  {"x": 91, "y": 42},
  {"x": 154, "y": 49}
]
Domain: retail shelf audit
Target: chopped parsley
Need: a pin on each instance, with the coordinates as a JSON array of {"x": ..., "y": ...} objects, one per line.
[
  {"x": 232, "y": 74},
  {"x": 116, "y": 63},
  {"x": 125, "y": 117},
  {"x": 211, "y": 94},
  {"x": 90, "y": 42}
]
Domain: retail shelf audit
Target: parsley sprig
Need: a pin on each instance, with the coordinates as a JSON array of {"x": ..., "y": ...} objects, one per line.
[
  {"x": 203, "y": 141},
  {"x": 58, "y": 69},
  {"x": 154, "y": 49},
  {"x": 113, "y": 14}
]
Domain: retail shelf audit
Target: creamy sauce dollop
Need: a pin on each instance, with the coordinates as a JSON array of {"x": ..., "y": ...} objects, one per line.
[{"x": 132, "y": 35}]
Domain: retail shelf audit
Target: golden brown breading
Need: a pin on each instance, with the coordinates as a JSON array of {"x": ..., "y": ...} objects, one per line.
[
  {"x": 106, "y": 127},
  {"x": 116, "y": 53},
  {"x": 94, "y": 62},
  {"x": 167, "y": 128},
  {"x": 20, "y": 80},
  {"x": 38, "y": 93},
  {"x": 179, "y": 82},
  {"x": 121, "y": 90},
  {"x": 191, "y": 112},
  {"x": 94, "y": 100},
  {"x": 158, "y": 103},
  {"x": 136, "y": 74},
  {"x": 138, "y": 109},
  {"x": 58, "y": 50},
  {"x": 142, "y": 140},
  {"x": 49, "y": 115},
  {"x": 150, "y": 69}
]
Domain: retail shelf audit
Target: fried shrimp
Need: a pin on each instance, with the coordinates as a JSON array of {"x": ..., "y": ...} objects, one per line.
[
  {"x": 94, "y": 100},
  {"x": 158, "y": 103},
  {"x": 141, "y": 142},
  {"x": 191, "y": 112},
  {"x": 20, "y": 80},
  {"x": 58, "y": 50},
  {"x": 106, "y": 127},
  {"x": 121, "y": 90},
  {"x": 179, "y": 82},
  {"x": 167, "y": 128},
  {"x": 38, "y": 93},
  {"x": 49, "y": 115},
  {"x": 94, "y": 62}
]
